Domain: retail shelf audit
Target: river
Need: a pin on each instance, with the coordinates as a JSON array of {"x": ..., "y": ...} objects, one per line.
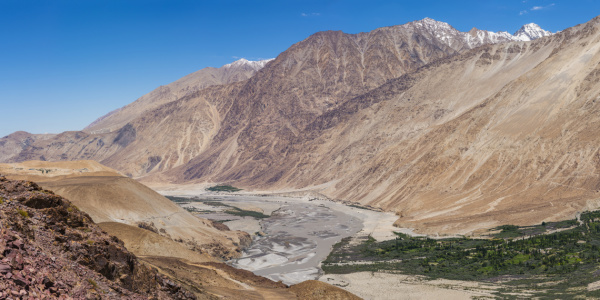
[{"x": 299, "y": 234}]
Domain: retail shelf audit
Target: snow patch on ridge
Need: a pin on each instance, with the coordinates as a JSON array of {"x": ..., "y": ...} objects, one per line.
[
  {"x": 241, "y": 63},
  {"x": 530, "y": 32}
]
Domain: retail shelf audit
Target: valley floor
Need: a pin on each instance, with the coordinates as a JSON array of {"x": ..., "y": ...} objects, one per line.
[
  {"x": 378, "y": 225},
  {"x": 291, "y": 235}
]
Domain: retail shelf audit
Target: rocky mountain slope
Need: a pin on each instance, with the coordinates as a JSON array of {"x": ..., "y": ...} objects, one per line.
[
  {"x": 413, "y": 118},
  {"x": 50, "y": 249},
  {"x": 239, "y": 70},
  {"x": 311, "y": 77}
]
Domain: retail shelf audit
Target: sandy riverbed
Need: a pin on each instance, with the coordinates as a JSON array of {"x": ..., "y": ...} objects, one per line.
[
  {"x": 387, "y": 286},
  {"x": 300, "y": 233}
]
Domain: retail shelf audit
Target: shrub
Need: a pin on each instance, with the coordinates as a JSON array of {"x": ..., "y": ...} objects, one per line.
[
  {"x": 93, "y": 283},
  {"x": 23, "y": 213}
]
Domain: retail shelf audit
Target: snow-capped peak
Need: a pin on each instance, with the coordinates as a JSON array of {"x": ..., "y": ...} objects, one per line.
[
  {"x": 453, "y": 38},
  {"x": 242, "y": 62},
  {"x": 530, "y": 32},
  {"x": 432, "y": 24}
]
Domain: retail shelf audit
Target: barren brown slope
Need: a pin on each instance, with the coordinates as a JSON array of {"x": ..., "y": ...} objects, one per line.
[
  {"x": 524, "y": 154},
  {"x": 17, "y": 142},
  {"x": 312, "y": 77},
  {"x": 109, "y": 197}
]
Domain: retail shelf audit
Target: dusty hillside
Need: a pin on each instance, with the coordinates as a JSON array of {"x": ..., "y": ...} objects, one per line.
[
  {"x": 317, "y": 290},
  {"x": 525, "y": 153},
  {"x": 516, "y": 146},
  {"x": 109, "y": 197},
  {"x": 144, "y": 242}
]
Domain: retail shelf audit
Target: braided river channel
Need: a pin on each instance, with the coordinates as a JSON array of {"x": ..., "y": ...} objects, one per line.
[{"x": 295, "y": 234}]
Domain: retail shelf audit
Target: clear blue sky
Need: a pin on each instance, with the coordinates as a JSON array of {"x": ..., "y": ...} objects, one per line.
[{"x": 65, "y": 63}]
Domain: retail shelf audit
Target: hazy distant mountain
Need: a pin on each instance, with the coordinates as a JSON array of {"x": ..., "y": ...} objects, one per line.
[
  {"x": 452, "y": 130},
  {"x": 239, "y": 70}
]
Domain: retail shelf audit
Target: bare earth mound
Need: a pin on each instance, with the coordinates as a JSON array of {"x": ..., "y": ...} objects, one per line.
[
  {"x": 143, "y": 242},
  {"x": 317, "y": 290}
]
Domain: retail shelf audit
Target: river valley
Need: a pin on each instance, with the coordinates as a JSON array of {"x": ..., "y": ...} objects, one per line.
[{"x": 297, "y": 235}]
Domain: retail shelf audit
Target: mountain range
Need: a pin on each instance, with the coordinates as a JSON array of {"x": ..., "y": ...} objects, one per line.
[{"x": 454, "y": 131}]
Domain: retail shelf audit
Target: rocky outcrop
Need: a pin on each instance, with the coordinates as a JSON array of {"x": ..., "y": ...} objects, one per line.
[{"x": 50, "y": 249}]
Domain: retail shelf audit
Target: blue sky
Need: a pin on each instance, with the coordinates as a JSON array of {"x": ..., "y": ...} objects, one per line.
[{"x": 65, "y": 63}]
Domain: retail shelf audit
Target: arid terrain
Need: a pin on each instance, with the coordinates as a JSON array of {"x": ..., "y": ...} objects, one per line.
[
  {"x": 420, "y": 126},
  {"x": 451, "y": 133}
]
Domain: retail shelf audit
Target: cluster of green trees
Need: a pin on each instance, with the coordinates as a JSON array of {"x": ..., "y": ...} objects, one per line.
[
  {"x": 538, "y": 258},
  {"x": 223, "y": 188}
]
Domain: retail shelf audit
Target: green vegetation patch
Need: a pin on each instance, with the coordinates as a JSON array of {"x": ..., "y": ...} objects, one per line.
[
  {"x": 508, "y": 231},
  {"x": 223, "y": 188},
  {"x": 180, "y": 200},
  {"x": 513, "y": 231},
  {"x": 361, "y": 207},
  {"x": 23, "y": 213},
  {"x": 556, "y": 265}
]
